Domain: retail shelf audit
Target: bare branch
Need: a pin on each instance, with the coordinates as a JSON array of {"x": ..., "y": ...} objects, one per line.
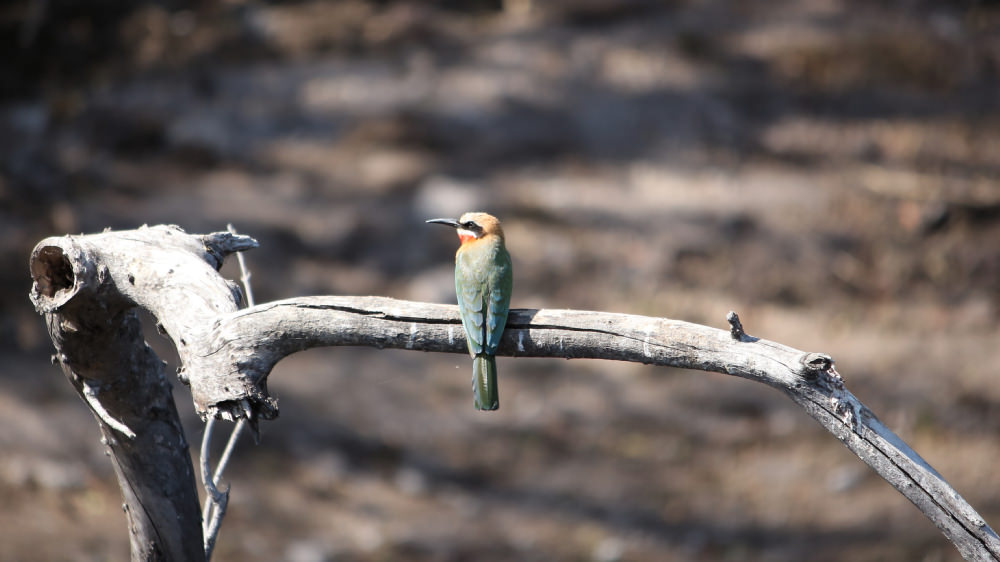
[
  {"x": 228, "y": 353},
  {"x": 215, "y": 501},
  {"x": 101, "y": 349},
  {"x": 244, "y": 270},
  {"x": 227, "y": 453},
  {"x": 211, "y": 491}
]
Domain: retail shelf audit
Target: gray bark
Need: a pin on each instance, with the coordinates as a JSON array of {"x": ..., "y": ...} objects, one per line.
[
  {"x": 228, "y": 353},
  {"x": 93, "y": 322}
]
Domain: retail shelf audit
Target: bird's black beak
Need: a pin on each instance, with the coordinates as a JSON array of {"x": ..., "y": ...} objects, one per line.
[{"x": 450, "y": 222}]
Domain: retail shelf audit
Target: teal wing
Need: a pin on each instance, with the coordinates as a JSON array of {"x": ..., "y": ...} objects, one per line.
[
  {"x": 469, "y": 289},
  {"x": 483, "y": 284},
  {"x": 498, "y": 302}
]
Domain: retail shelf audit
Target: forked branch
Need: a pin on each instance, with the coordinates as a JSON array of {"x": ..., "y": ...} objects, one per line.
[{"x": 227, "y": 354}]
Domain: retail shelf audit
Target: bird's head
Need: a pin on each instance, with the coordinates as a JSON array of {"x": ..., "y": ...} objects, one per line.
[{"x": 473, "y": 226}]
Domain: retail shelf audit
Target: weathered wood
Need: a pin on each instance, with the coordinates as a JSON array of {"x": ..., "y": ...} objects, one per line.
[
  {"x": 227, "y": 354},
  {"x": 100, "y": 347}
]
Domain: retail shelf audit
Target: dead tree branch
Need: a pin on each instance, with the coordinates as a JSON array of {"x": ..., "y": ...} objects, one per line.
[
  {"x": 227, "y": 355},
  {"x": 100, "y": 347}
]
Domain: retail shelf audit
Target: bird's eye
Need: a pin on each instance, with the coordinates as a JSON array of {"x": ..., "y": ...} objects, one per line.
[{"x": 469, "y": 225}]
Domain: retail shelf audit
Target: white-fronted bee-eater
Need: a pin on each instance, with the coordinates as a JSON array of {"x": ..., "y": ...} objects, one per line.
[{"x": 484, "y": 280}]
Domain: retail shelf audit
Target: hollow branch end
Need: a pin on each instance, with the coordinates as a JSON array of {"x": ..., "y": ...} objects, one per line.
[{"x": 56, "y": 274}]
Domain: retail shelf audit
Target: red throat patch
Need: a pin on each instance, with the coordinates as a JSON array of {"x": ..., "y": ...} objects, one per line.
[{"x": 466, "y": 238}]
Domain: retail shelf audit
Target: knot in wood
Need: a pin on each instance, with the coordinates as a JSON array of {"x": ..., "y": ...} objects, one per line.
[
  {"x": 817, "y": 361},
  {"x": 815, "y": 365}
]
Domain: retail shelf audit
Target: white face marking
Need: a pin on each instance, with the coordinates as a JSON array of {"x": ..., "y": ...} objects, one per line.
[{"x": 463, "y": 233}]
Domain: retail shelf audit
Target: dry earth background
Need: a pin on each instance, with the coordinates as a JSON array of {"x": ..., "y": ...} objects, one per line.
[{"x": 830, "y": 169}]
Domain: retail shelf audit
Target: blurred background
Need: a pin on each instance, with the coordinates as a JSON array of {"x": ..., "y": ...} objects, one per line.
[{"x": 828, "y": 168}]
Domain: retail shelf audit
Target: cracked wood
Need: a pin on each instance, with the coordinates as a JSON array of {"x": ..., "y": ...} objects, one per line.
[{"x": 227, "y": 354}]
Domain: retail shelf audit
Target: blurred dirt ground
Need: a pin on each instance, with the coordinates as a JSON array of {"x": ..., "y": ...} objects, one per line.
[{"x": 829, "y": 169}]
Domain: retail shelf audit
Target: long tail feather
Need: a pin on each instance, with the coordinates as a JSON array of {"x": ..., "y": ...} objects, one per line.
[{"x": 484, "y": 382}]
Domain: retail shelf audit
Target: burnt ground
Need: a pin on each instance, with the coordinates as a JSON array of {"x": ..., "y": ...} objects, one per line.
[{"x": 830, "y": 169}]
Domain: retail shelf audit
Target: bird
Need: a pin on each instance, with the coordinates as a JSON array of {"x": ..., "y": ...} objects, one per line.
[{"x": 484, "y": 280}]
